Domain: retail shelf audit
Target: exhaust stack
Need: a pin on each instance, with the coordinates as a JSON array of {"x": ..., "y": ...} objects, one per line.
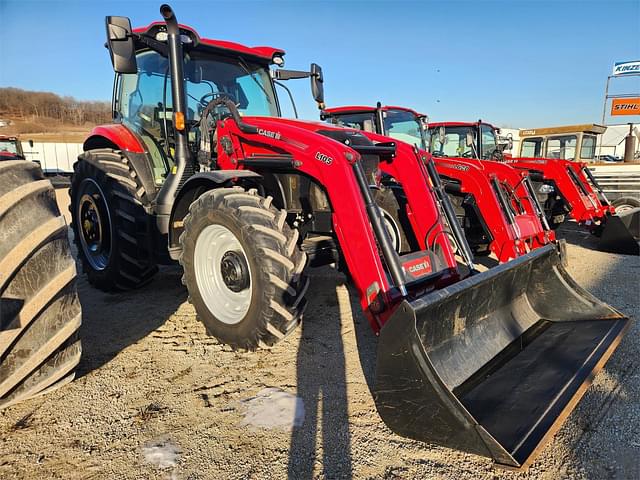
[{"x": 182, "y": 156}]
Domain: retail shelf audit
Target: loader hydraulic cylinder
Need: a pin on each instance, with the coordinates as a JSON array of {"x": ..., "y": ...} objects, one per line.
[
  {"x": 461, "y": 240},
  {"x": 536, "y": 203},
  {"x": 389, "y": 254}
]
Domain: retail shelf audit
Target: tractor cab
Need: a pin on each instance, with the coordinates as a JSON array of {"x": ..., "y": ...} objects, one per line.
[
  {"x": 10, "y": 148},
  {"x": 143, "y": 100},
  {"x": 399, "y": 123},
  {"x": 572, "y": 142},
  {"x": 460, "y": 139}
]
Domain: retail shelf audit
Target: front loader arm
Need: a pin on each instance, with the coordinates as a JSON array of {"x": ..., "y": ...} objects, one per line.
[{"x": 330, "y": 163}]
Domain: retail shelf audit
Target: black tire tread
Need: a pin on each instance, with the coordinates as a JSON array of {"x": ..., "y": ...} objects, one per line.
[
  {"x": 40, "y": 313},
  {"x": 283, "y": 302},
  {"x": 132, "y": 265}
]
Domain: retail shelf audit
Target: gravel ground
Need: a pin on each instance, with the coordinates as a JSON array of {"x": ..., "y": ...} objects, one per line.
[{"x": 156, "y": 398}]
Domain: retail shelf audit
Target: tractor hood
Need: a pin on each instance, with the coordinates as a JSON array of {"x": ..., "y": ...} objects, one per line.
[{"x": 309, "y": 125}]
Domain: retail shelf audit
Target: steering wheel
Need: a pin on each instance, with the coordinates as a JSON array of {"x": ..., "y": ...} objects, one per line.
[
  {"x": 467, "y": 154},
  {"x": 497, "y": 155}
]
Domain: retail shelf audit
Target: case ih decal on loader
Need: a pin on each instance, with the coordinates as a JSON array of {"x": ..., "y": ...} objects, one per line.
[
  {"x": 495, "y": 203},
  {"x": 563, "y": 186},
  {"x": 193, "y": 181}
]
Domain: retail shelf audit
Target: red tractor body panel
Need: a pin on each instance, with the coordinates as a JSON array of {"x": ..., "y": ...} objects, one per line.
[
  {"x": 510, "y": 239},
  {"x": 586, "y": 207},
  {"x": 526, "y": 232},
  {"x": 118, "y": 134}
]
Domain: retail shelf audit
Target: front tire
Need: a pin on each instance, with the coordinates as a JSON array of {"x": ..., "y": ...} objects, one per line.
[
  {"x": 392, "y": 203},
  {"x": 243, "y": 268}
]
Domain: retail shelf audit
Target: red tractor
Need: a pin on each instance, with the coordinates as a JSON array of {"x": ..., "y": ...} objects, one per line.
[
  {"x": 564, "y": 187},
  {"x": 198, "y": 168},
  {"x": 10, "y": 148},
  {"x": 495, "y": 203}
]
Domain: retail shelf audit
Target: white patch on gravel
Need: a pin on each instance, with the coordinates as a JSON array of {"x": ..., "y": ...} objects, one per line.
[
  {"x": 273, "y": 408},
  {"x": 161, "y": 453}
]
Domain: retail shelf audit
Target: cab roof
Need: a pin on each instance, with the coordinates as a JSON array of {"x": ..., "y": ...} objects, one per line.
[
  {"x": 367, "y": 109},
  {"x": 223, "y": 46},
  {"x": 582, "y": 128},
  {"x": 460, "y": 124}
]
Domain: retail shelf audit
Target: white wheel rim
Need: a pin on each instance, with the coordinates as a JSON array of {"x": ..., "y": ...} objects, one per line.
[
  {"x": 226, "y": 305},
  {"x": 624, "y": 208}
]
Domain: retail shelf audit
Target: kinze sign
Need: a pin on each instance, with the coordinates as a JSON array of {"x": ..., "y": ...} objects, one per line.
[
  {"x": 627, "y": 68},
  {"x": 625, "y": 106}
]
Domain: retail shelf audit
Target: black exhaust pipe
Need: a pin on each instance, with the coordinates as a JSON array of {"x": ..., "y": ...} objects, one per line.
[{"x": 182, "y": 157}]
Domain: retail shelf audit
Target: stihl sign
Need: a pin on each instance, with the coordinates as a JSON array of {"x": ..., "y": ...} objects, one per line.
[
  {"x": 625, "y": 106},
  {"x": 627, "y": 68}
]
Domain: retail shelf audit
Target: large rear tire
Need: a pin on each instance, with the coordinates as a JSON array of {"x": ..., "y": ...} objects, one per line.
[
  {"x": 40, "y": 312},
  {"x": 109, "y": 222},
  {"x": 243, "y": 268}
]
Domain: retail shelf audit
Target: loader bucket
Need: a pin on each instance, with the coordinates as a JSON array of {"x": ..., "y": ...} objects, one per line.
[
  {"x": 621, "y": 232},
  {"x": 492, "y": 365}
]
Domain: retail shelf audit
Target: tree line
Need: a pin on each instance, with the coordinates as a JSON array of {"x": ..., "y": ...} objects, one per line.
[{"x": 31, "y": 105}]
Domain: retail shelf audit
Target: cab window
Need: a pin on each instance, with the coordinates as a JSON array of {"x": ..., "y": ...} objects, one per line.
[
  {"x": 488, "y": 139},
  {"x": 531, "y": 147},
  {"x": 588, "y": 147},
  {"x": 562, "y": 147}
]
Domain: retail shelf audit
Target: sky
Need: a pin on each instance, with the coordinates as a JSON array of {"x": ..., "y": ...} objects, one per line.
[{"x": 519, "y": 63}]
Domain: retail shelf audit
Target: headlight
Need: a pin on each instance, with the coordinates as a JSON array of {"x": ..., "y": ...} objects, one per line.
[
  {"x": 278, "y": 60},
  {"x": 546, "y": 189},
  {"x": 163, "y": 35}
]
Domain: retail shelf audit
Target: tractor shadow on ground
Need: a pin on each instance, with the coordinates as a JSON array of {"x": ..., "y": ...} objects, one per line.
[
  {"x": 321, "y": 372},
  {"x": 113, "y": 321}
]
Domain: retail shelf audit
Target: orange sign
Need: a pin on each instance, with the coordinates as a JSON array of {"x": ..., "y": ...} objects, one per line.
[{"x": 625, "y": 106}]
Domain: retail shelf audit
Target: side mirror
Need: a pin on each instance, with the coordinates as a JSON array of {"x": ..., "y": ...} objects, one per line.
[
  {"x": 470, "y": 139},
  {"x": 317, "y": 84},
  {"x": 31, "y": 142},
  {"x": 120, "y": 44},
  {"x": 424, "y": 122}
]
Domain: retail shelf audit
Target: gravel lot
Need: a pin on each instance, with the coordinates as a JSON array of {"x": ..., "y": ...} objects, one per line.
[{"x": 156, "y": 398}]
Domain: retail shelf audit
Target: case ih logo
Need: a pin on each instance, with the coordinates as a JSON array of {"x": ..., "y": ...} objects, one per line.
[
  {"x": 324, "y": 158},
  {"x": 627, "y": 68},
  {"x": 269, "y": 133},
  {"x": 455, "y": 166},
  {"x": 418, "y": 267}
]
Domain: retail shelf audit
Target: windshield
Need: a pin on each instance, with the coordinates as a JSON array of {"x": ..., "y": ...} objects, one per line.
[
  {"x": 8, "y": 146},
  {"x": 358, "y": 121},
  {"x": 145, "y": 100},
  {"x": 453, "y": 143},
  {"x": 403, "y": 125},
  {"x": 145, "y": 96}
]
